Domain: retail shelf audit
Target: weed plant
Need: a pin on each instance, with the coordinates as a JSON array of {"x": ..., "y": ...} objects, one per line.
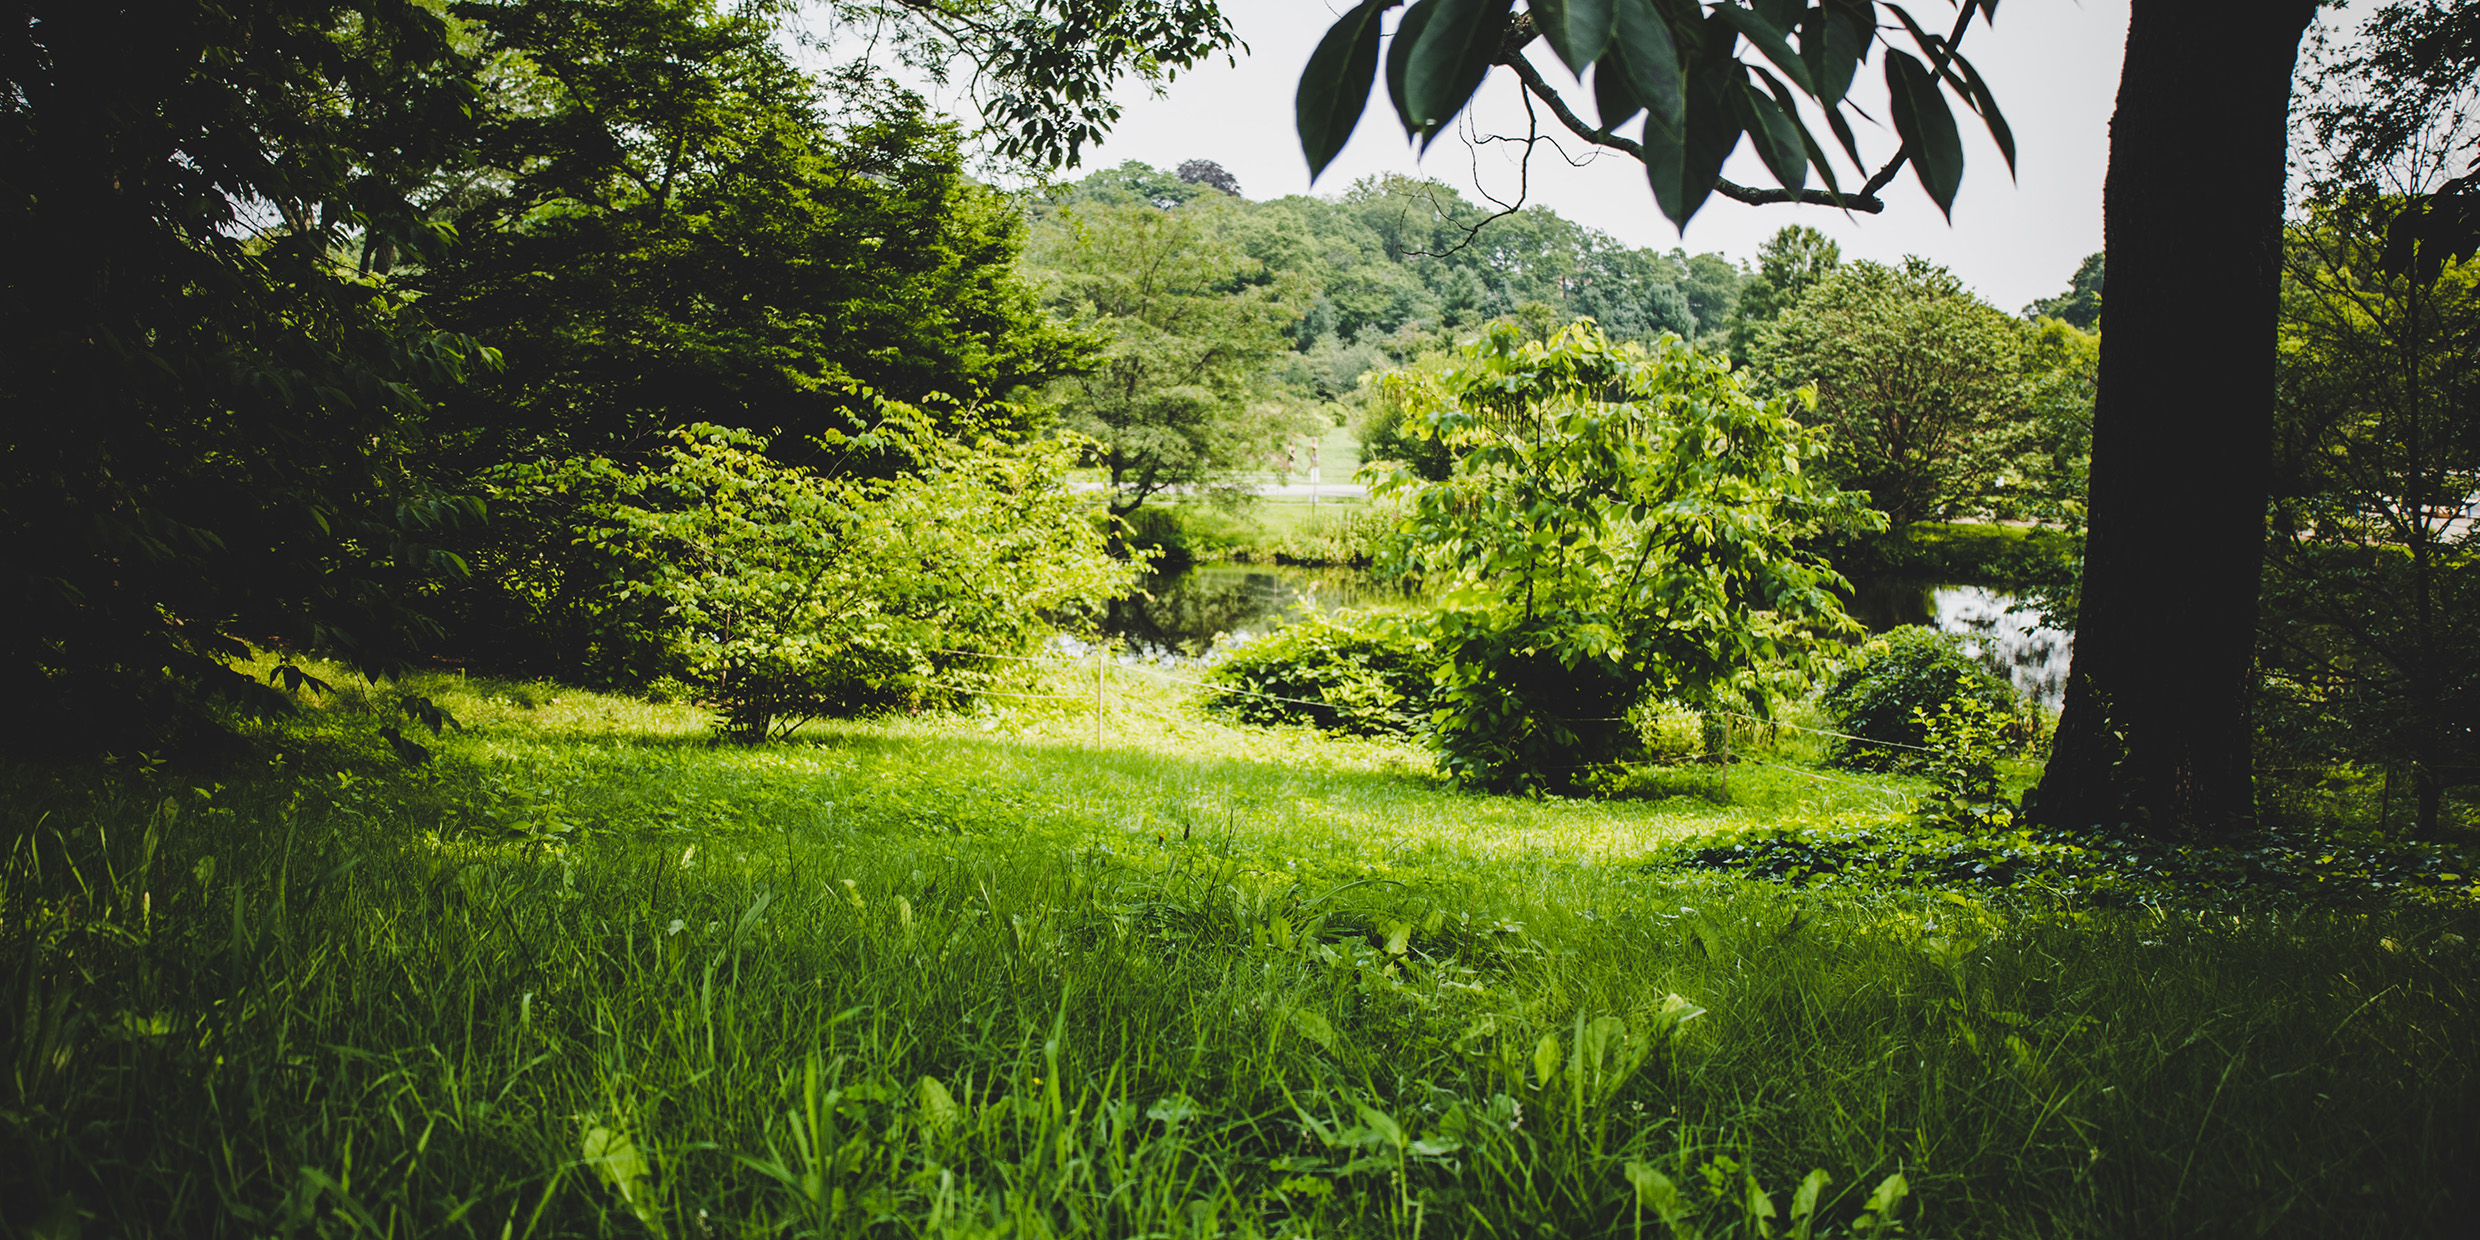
[{"x": 586, "y": 974}]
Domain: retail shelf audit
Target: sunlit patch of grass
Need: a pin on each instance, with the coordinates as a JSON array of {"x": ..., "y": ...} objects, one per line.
[{"x": 585, "y": 973}]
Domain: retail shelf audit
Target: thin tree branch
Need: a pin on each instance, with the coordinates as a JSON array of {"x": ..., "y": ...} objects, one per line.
[
  {"x": 1865, "y": 201},
  {"x": 1524, "y": 182}
]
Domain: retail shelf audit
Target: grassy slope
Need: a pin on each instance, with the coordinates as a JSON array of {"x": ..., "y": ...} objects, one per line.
[{"x": 586, "y": 975}]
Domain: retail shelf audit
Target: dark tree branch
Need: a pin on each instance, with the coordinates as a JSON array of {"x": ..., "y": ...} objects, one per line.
[
  {"x": 1524, "y": 182},
  {"x": 1865, "y": 201}
]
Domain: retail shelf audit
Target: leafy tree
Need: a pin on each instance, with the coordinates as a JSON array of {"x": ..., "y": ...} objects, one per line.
[
  {"x": 665, "y": 229},
  {"x": 1919, "y": 384},
  {"x": 669, "y": 223},
  {"x": 1133, "y": 181},
  {"x": 1041, "y": 71},
  {"x": 2405, "y": 92},
  {"x": 1190, "y": 326},
  {"x": 2373, "y": 573},
  {"x": 790, "y": 594},
  {"x": 1621, "y": 525},
  {"x": 1789, "y": 263},
  {"x": 2080, "y": 305},
  {"x": 1209, "y": 173},
  {"x": 206, "y": 410}
]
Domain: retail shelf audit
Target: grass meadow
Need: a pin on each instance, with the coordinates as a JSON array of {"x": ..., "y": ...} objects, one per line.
[{"x": 585, "y": 974}]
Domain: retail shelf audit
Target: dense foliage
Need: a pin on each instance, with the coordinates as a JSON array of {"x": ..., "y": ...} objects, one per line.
[
  {"x": 1790, "y": 263},
  {"x": 2373, "y": 573},
  {"x": 274, "y": 253},
  {"x": 1621, "y": 525},
  {"x": 1920, "y": 385},
  {"x": 1178, "y": 394},
  {"x": 1366, "y": 673},
  {"x": 788, "y": 594},
  {"x": 2369, "y": 662},
  {"x": 207, "y": 422},
  {"x": 668, "y": 222},
  {"x": 1893, "y": 691},
  {"x": 1394, "y": 270}
]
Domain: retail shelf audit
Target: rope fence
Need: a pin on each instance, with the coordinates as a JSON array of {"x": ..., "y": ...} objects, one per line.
[
  {"x": 1865, "y": 740},
  {"x": 1890, "y": 793}
]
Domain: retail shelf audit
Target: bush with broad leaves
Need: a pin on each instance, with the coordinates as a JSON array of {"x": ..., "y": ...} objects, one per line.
[{"x": 792, "y": 594}]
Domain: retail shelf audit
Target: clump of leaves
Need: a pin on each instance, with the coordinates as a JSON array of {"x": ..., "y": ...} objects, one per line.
[
  {"x": 1900, "y": 682},
  {"x": 1620, "y": 524},
  {"x": 2105, "y": 870},
  {"x": 1965, "y": 736},
  {"x": 1366, "y": 673},
  {"x": 790, "y": 594}
]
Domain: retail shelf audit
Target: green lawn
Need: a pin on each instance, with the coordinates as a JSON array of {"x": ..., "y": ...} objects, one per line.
[{"x": 586, "y": 974}]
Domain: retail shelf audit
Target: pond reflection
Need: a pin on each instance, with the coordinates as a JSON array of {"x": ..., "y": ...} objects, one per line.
[
  {"x": 2033, "y": 656},
  {"x": 1183, "y": 613}
]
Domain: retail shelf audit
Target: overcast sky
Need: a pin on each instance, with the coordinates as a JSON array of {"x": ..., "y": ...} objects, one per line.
[{"x": 2052, "y": 63}]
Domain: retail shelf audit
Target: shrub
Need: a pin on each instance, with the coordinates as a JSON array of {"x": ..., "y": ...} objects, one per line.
[
  {"x": 1901, "y": 680},
  {"x": 1354, "y": 534},
  {"x": 1621, "y": 523},
  {"x": 1384, "y": 437},
  {"x": 1367, "y": 673},
  {"x": 788, "y": 594}
]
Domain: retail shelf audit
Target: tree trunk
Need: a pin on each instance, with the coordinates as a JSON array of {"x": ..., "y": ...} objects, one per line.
[{"x": 2155, "y": 731}]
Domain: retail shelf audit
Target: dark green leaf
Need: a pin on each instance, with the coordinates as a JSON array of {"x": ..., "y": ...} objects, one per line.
[
  {"x": 1665, "y": 158},
  {"x": 1986, "y": 104},
  {"x": 1652, "y": 61},
  {"x": 1683, "y": 172},
  {"x": 1399, "y": 57},
  {"x": 1782, "y": 14},
  {"x": 1614, "y": 97},
  {"x": 1832, "y": 41},
  {"x": 1453, "y": 53},
  {"x": 1578, "y": 30},
  {"x": 1768, "y": 41},
  {"x": 1928, "y": 128},
  {"x": 1842, "y": 134},
  {"x": 1808, "y": 141},
  {"x": 1335, "y": 87},
  {"x": 1777, "y": 140}
]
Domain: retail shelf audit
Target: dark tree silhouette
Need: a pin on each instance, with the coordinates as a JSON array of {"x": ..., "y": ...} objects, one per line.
[
  {"x": 2155, "y": 731},
  {"x": 1208, "y": 172}
]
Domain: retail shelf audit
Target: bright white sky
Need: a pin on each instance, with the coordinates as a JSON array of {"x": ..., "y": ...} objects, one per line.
[{"x": 2052, "y": 63}]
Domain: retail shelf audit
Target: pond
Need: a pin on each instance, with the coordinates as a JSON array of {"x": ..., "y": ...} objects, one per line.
[
  {"x": 1183, "y": 614},
  {"x": 2035, "y": 657}
]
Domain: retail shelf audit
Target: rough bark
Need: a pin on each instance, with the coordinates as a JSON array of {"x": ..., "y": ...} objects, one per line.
[{"x": 2155, "y": 731}]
